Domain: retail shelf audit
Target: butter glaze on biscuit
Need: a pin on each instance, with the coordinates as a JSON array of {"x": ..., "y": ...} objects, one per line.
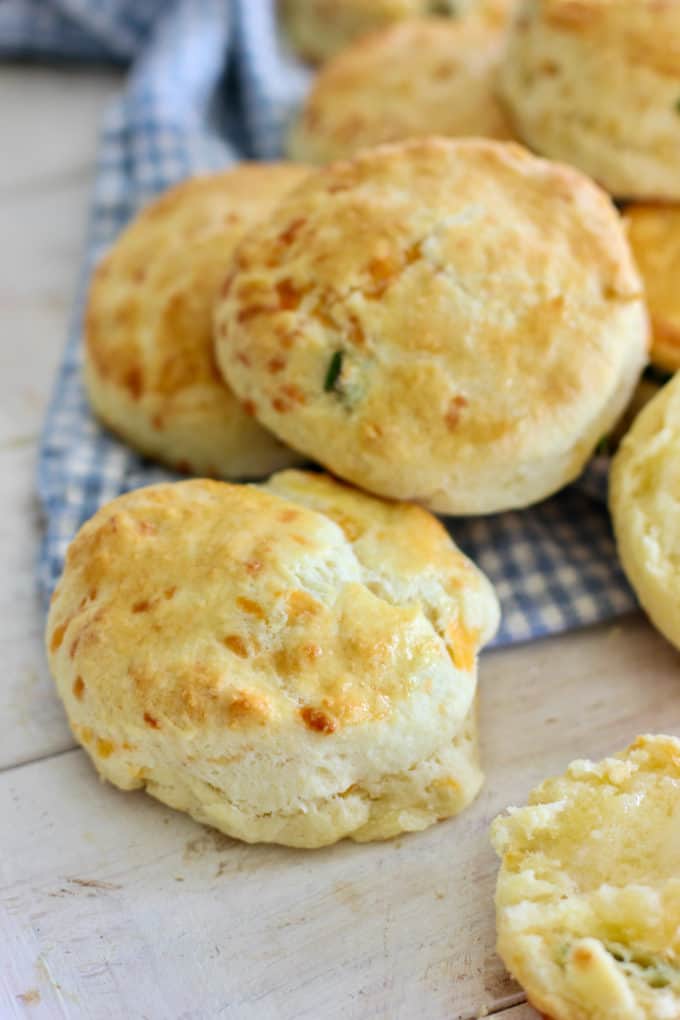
[
  {"x": 149, "y": 365},
  {"x": 588, "y": 894},
  {"x": 294, "y": 663},
  {"x": 452, "y": 321}
]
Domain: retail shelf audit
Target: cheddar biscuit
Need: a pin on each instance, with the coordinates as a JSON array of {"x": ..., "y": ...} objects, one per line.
[
  {"x": 654, "y": 233},
  {"x": 643, "y": 495},
  {"x": 588, "y": 894},
  {"x": 427, "y": 76},
  {"x": 318, "y": 29},
  {"x": 596, "y": 83},
  {"x": 450, "y": 321},
  {"x": 149, "y": 366},
  {"x": 292, "y": 663}
]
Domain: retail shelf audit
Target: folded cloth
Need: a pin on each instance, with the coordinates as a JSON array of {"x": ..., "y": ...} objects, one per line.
[{"x": 211, "y": 82}]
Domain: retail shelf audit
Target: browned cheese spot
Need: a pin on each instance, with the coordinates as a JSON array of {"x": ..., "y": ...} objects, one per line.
[
  {"x": 292, "y": 230},
  {"x": 293, "y": 393},
  {"x": 289, "y": 296},
  {"x": 252, "y": 311},
  {"x": 453, "y": 412},
  {"x": 58, "y": 637},
  {"x": 315, "y": 719},
  {"x": 301, "y": 603},
  {"x": 251, "y": 607},
  {"x": 236, "y": 645},
  {"x": 134, "y": 383},
  {"x": 275, "y": 365}
]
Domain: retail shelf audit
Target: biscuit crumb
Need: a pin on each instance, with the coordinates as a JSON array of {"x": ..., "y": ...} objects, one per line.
[{"x": 30, "y": 998}]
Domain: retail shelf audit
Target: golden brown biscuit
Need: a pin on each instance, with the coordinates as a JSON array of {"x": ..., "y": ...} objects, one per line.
[
  {"x": 643, "y": 497},
  {"x": 450, "y": 321},
  {"x": 426, "y": 76},
  {"x": 149, "y": 365},
  {"x": 294, "y": 663},
  {"x": 596, "y": 83},
  {"x": 654, "y": 232},
  {"x": 588, "y": 894},
  {"x": 318, "y": 29}
]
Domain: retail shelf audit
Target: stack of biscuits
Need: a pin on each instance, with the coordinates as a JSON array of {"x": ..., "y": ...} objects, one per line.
[{"x": 445, "y": 321}]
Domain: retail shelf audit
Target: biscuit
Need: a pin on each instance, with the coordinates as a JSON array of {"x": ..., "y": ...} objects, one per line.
[
  {"x": 318, "y": 29},
  {"x": 149, "y": 367},
  {"x": 643, "y": 498},
  {"x": 426, "y": 76},
  {"x": 654, "y": 234},
  {"x": 449, "y": 321},
  {"x": 588, "y": 894},
  {"x": 596, "y": 83},
  {"x": 292, "y": 663}
]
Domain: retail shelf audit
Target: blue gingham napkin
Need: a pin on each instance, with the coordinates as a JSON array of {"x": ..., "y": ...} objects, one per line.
[{"x": 209, "y": 82}]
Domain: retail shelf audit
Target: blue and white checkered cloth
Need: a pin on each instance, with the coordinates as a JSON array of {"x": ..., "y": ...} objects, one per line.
[{"x": 208, "y": 84}]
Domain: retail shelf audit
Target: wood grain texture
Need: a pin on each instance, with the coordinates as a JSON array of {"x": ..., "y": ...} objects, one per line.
[
  {"x": 49, "y": 124},
  {"x": 112, "y": 906},
  {"x": 49, "y": 120},
  {"x": 32, "y": 722},
  {"x": 135, "y": 911},
  {"x": 520, "y": 1012}
]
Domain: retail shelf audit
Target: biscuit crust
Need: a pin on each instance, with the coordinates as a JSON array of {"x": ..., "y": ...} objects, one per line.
[
  {"x": 426, "y": 76},
  {"x": 654, "y": 232},
  {"x": 588, "y": 894},
  {"x": 643, "y": 498},
  {"x": 450, "y": 321},
  {"x": 149, "y": 366},
  {"x": 290, "y": 663},
  {"x": 596, "y": 83},
  {"x": 319, "y": 29}
]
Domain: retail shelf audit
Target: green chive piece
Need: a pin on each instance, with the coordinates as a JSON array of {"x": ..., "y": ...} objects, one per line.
[
  {"x": 603, "y": 448},
  {"x": 333, "y": 373}
]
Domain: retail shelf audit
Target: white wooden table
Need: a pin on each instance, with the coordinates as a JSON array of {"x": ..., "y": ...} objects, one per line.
[{"x": 112, "y": 906}]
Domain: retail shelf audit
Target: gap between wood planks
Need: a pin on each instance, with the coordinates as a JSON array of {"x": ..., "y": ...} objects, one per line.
[
  {"x": 509, "y": 1005},
  {"x": 41, "y": 758}
]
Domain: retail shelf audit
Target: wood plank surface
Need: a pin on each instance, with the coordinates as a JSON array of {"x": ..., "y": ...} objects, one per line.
[
  {"x": 115, "y": 905},
  {"x": 112, "y": 906},
  {"x": 49, "y": 119},
  {"x": 49, "y": 122},
  {"x": 32, "y": 722}
]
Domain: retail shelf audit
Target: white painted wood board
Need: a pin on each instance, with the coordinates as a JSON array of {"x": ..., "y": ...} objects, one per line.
[
  {"x": 181, "y": 922},
  {"x": 188, "y": 925}
]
